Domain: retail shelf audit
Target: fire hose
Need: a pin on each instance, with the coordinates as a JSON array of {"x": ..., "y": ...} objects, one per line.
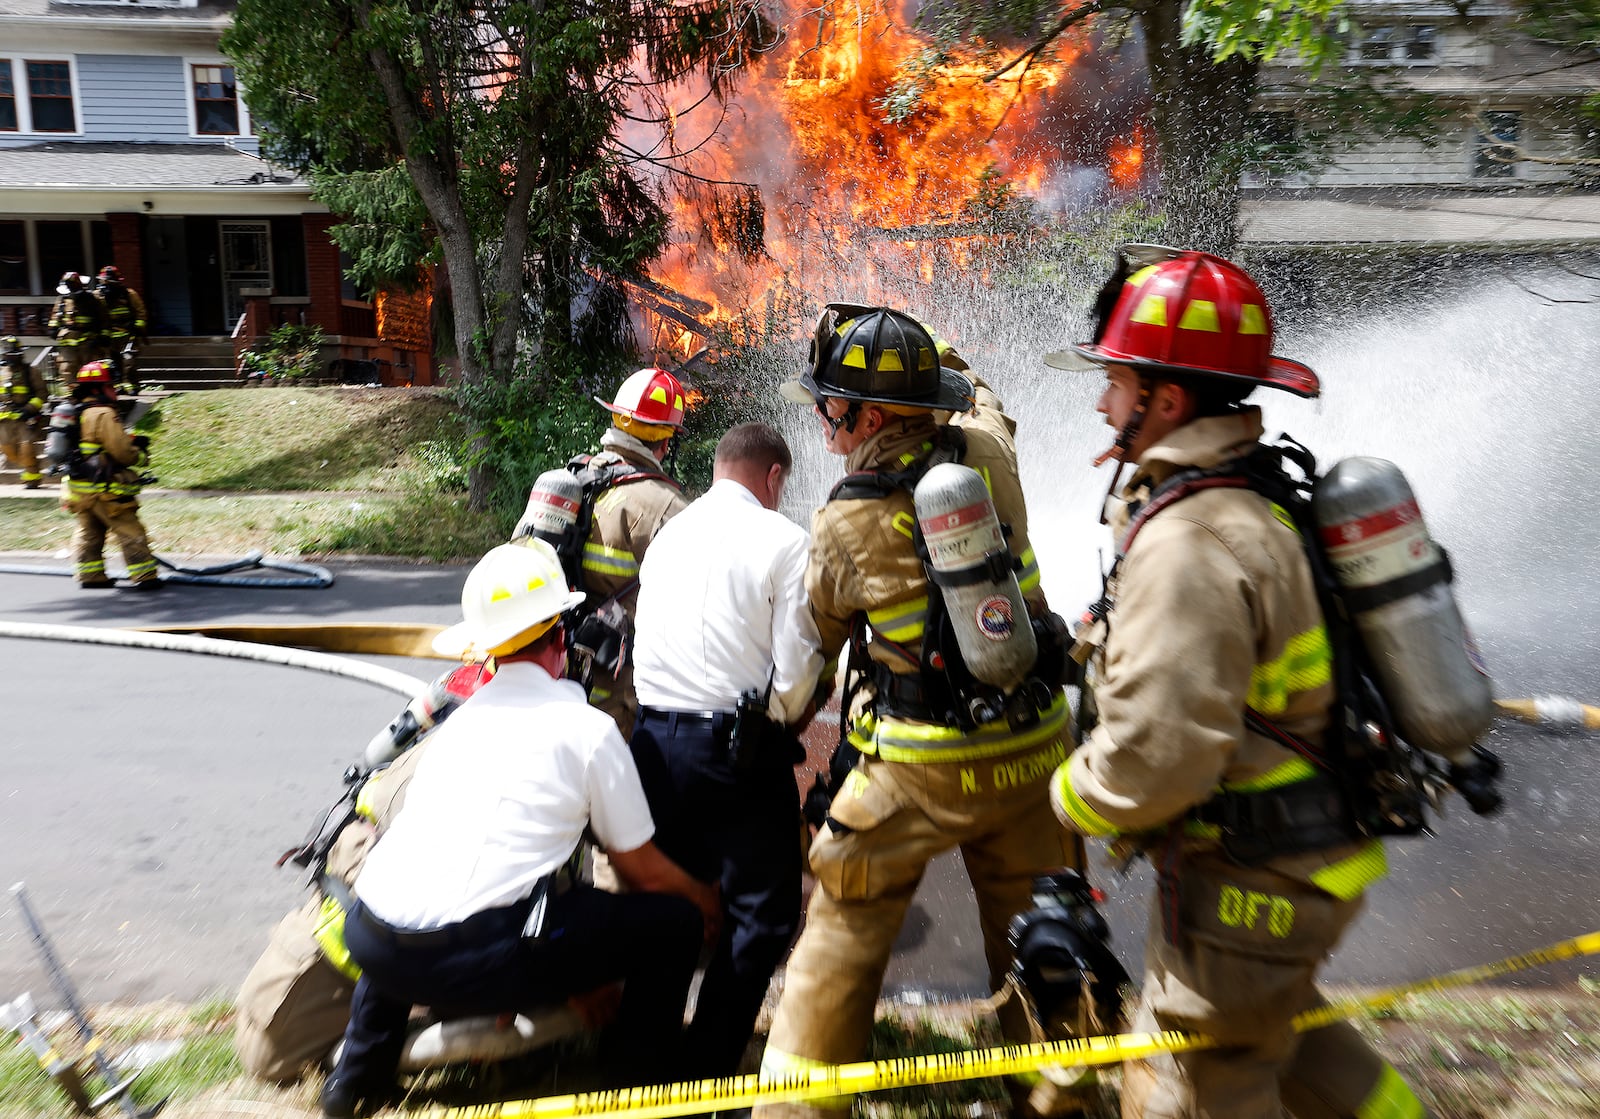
[
  {"x": 408, "y": 686},
  {"x": 304, "y": 575}
]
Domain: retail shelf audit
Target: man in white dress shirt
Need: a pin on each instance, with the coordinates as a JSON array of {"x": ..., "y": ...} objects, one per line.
[
  {"x": 722, "y": 612},
  {"x": 467, "y": 902}
]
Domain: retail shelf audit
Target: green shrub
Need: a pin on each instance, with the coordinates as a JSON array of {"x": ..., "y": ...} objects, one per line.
[{"x": 291, "y": 352}]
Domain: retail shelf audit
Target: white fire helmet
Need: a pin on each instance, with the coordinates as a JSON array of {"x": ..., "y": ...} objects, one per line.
[{"x": 514, "y": 594}]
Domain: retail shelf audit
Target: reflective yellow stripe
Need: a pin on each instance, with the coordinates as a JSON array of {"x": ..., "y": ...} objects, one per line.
[
  {"x": 1290, "y": 772},
  {"x": 1390, "y": 1098},
  {"x": 137, "y": 569},
  {"x": 1306, "y": 663},
  {"x": 609, "y": 561},
  {"x": 329, "y": 935},
  {"x": 1028, "y": 577},
  {"x": 1085, "y": 820},
  {"x": 895, "y": 740},
  {"x": 91, "y": 567},
  {"x": 901, "y": 622},
  {"x": 1283, "y": 515},
  {"x": 1347, "y": 878},
  {"x": 364, "y": 799},
  {"x": 777, "y": 1065}
]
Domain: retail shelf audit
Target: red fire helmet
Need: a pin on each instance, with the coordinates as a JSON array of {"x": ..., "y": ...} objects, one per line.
[
  {"x": 1191, "y": 314},
  {"x": 649, "y": 404}
]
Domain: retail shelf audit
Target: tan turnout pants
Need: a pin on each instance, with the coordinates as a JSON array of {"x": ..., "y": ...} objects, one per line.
[
  {"x": 120, "y": 518},
  {"x": 1251, "y": 946},
  {"x": 892, "y": 819},
  {"x": 17, "y": 445}
]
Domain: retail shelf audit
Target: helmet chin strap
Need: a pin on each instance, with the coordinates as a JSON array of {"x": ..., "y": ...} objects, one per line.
[
  {"x": 1124, "y": 444},
  {"x": 846, "y": 421}
]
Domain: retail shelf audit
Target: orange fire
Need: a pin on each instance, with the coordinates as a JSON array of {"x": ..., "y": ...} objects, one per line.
[
  {"x": 841, "y": 185},
  {"x": 1127, "y": 161}
]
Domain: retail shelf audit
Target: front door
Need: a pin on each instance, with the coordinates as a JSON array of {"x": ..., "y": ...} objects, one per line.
[{"x": 246, "y": 263}]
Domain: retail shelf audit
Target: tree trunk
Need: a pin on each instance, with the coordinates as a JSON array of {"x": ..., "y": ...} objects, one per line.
[{"x": 1200, "y": 108}]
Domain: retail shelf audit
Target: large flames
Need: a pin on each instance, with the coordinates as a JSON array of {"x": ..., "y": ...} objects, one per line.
[{"x": 838, "y": 181}]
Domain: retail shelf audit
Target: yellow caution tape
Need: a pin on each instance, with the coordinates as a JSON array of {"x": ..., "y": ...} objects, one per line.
[{"x": 659, "y": 1101}]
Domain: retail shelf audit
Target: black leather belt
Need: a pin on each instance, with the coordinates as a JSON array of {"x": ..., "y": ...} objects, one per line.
[
  {"x": 480, "y": 928},
  {"x": 715, "y": 720}
]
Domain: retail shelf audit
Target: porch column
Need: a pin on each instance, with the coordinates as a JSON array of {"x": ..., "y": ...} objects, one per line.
[
  {"x": 127, "y": 249},
  {"x": 323, "y": 281}
]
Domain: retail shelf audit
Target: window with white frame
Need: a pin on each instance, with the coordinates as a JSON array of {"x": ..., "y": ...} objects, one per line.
[
  {"x": 1408, "y": 45},
  {"x": 216, "y": 100},
  {"x": 9, "y": 122},
  {"x": 50, "y": 101},
  {"x": 1494, "y": 154},
  {"x": 38, "y": 95}
]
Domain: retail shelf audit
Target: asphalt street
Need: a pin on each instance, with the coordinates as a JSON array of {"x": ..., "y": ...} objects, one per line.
[{"x": 148, "y": 793}]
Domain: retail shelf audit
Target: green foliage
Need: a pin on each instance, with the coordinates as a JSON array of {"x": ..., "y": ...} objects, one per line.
[
  {"x": 1567, "y": 23},
  {"x": 385, "y": 228},
  {"x": 292, "y": 352},
  {"x": 1263, "y": 29},
  {"x": 526, "y": 424}
]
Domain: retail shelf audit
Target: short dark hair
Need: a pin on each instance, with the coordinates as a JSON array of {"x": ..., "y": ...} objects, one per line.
[
  {"x": 757, "y": 444},
  {"x": 1214, "y": 396}
]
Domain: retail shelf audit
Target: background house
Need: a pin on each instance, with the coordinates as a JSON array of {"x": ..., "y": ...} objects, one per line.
[
  {"x": 124, "y": 139},
  {"x": 1500, "y": 175}
]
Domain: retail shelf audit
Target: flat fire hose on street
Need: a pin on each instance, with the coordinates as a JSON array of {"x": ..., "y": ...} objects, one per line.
[
  {"x": 225, "y": 574},
  {"x": 660, "y": 1101}
]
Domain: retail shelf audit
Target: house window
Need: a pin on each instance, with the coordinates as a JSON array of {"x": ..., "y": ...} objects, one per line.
[
  {"x": 8, "y": 98},
  {"x": 13, "y": 258},
  {"x": 1376, "y": 45},
  {"x": 1490, "y": 159},
  {"x": 216, "y": 101},
  {"x": 50, "y": 97},
  {"x": 1422, "y": 45}
]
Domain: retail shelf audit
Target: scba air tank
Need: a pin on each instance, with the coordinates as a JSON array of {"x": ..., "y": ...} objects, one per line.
[
  {"x": 553, "y": 506},
  {"x": 58, "y": 437},
  {"x": 972, "y": 568},
  {"x": 1396, "y": 583}
]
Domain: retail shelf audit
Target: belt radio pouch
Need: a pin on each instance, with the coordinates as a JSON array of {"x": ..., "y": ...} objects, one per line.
[{"x": 755, "y": 734}]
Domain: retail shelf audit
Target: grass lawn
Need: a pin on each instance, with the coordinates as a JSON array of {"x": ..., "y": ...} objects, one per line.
[
  {"x": 360, "y": 472},
  {"x": 292, "y": 439}
]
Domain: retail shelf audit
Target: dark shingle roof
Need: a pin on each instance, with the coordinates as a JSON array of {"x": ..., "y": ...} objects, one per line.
[{"x": 134, "y": 165}]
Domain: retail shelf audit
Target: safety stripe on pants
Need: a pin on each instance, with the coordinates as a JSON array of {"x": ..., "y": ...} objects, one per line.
[{"x": 660, "y": 1101}]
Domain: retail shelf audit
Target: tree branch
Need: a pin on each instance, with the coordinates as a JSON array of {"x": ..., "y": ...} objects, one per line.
[{"x": 1068, "y": 20}]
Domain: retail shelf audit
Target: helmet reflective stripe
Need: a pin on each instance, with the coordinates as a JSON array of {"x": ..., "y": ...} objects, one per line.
[
  {"x": 1190, "y": 314},
  {"x": 515, "y": 594}
]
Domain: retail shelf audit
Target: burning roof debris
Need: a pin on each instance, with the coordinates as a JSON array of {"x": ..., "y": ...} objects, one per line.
[{"x": 804, "y": 178}]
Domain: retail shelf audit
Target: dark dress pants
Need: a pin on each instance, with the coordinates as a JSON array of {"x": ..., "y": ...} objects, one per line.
[
  {"x": 651, "y": 942},
  {"x": 742, "y": 830}
]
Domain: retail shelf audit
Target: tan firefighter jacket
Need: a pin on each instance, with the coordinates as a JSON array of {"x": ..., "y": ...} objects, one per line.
[
  {"x": 22, "y": 392},
  {"x": 1213, "y": 608},
  {"x": 111, "y": 459},
  {"x": 626, "y": 518},
  {"x": 864, "y": 569}
]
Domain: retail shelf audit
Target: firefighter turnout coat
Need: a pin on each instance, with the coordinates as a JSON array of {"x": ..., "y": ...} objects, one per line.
[
  {"x": 920, "y": 788},
  {"x": 102, "y": 491},
  {"x": 22, "y": 397},
  {"x": 626, "y": 518},
  {"x": 1213, "y": 608}
]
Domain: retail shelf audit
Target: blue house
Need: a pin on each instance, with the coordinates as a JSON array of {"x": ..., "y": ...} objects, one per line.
[{"x": 125, "y": 139}]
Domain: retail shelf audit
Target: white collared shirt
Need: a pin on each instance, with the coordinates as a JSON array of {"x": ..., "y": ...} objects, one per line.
[
  {"x": 722, "y": 603},
  {"x": 502, "y": 798}
]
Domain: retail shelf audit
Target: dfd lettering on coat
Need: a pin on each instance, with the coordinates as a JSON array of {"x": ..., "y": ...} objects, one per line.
[
  {"x": 1028, "y": 768},
  {"x": 1238, "y": 908}
]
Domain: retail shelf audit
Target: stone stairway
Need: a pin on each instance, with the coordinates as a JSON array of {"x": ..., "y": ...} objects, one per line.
[{"x": 188, "y": 363}]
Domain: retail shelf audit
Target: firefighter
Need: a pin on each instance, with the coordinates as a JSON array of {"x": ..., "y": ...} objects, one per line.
[
  {"x": 925, "y": 781},
  {"x": 77, "y": 323},
  {"x": 125, "y": 324},
  {"x": 1212, "y": 657},
  {"x": 102, "y": 486},
  {"x": 22, "y": 399},
  {"x": 646, "y": 415}
]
